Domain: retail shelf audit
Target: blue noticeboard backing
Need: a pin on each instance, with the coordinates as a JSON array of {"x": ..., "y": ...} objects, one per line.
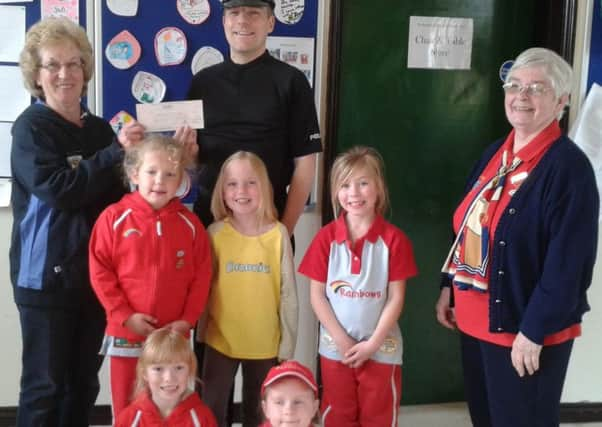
[
  {"x": 150, "y": 18},
  {"x": 595, "y": 52}
]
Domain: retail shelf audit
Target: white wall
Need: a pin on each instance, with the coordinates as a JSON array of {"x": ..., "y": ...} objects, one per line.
[
  {"x": 585, "y": 370},
  {"x": 10, "y": 336}
]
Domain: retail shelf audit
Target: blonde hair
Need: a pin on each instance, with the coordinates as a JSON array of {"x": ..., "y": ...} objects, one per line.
[
  {"x": 266, "y": 212},
  {"x": 134, "y": 155},
  {"x": 53, "y": 32},
  {"x": 350, "y": 161},
  {"x": 163, "y": 346}
]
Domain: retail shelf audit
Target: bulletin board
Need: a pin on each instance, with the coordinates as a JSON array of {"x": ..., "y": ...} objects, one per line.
[{"x": 150, "y": 18}]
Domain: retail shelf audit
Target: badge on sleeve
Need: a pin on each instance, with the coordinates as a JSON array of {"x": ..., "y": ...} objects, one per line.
[
  {"x": 123, "y": 51},
  {"x": 205, "y": 57},
  {"x": 194, "y": 12},
  {"x": 148, "y": 88},
  {"x": 123, "y": 7},
  {"x": 170, "y": 46},
  {"x": 289, "y": 11}
]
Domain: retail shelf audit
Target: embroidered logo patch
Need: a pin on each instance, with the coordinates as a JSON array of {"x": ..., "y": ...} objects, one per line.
[
  {"x": 180, "y": 262},
  {"x": 74, "y": 161},
  {"x": 388, "y": 346},
  {"x": 130, "y": 231},
  {"x": 337, "y": 285}
]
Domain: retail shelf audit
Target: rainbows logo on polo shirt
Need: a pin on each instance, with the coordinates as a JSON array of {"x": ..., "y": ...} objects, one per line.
[{"x": 337, "y": 285}]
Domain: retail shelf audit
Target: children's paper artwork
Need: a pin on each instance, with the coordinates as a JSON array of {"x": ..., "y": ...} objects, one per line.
[
  {"x": 148, "y": 88},
  {"x": 205, "y": 57},
  {"x": 119, "y": 120},
  {"x": 60, "y": 8},
  {"x": 123, "y": 51},
  {"x": 123, "y": 7},
  {"x": 194, "y": 11},
  {"x": 170, "y": 46},
  {"x": 289, "y": 11}
]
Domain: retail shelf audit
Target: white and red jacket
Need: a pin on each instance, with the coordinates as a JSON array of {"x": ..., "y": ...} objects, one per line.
[
  {"x": 142, "y": 412},
  {"x": 147, "y": 261}
]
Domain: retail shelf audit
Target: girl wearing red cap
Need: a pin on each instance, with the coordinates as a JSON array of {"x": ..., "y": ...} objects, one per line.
[{"x": 289, "y": 396}]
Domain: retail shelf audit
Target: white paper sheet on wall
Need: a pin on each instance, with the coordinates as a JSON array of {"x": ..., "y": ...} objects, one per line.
[
  {"x": 440, "y": 42},
  {"x": 5, "y": 143},
  {"x": 12, "y": 32},
  {"x": 12, "y": 93}
]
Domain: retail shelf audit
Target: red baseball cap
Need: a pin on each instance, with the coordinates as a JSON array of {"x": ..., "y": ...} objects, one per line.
[{"x": 290, "y": 368}]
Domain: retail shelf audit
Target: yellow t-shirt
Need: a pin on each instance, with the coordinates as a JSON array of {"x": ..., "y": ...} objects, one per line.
[{"x": 243, "y": 320}]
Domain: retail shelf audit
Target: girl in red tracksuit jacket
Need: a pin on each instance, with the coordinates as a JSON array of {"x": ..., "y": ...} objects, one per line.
[
  {"x": 150, "y": 262},
  {"x": 165, "y": 374}
]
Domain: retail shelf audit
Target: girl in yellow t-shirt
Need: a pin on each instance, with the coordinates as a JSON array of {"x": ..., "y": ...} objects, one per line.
[{"x": 252, "y": 311}]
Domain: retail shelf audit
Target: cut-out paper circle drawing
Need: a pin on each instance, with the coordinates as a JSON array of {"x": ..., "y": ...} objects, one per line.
[
  {"x": 123, "y": 51},
  {"x": 119, "y": 120},
  {"x": 289, "y": 11},
  {"x": 148, "y": 88},
  {"x": 123, "y": 7},
  {"x": 194, "y": 11},
  {"x": 205, "y": 57},
  {"x": 170, "y": 46}
]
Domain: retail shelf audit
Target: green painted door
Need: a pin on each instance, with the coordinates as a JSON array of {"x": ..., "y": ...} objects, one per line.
[{"x": 431, "y": 126}]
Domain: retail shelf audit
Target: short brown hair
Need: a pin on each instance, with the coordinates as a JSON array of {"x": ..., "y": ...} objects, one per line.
[
  {"x": 350, "y": 161},
  {"x": 266, "y": 213},
  {"x": 53, "y": 32}
]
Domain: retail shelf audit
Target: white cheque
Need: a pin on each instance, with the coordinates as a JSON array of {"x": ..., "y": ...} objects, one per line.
[{"x": 167, "y": 116}]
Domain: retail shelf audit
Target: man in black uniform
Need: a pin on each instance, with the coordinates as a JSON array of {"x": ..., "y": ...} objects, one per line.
[{"x": 256, "y": 103}]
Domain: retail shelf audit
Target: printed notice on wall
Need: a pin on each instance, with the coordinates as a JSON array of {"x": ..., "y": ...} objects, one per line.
[
  {"x": 295, "y": 51},
  {"x": 440, "y": 42},
  {"x": 60, "y": 8}
]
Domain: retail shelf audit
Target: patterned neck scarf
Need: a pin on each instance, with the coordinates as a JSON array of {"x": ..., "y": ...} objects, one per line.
[
  {"x": 468, "y": 258},
  {"x": 477, "y": 216}
]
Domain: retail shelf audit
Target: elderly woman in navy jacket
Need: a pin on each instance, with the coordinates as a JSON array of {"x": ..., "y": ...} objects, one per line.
[
  {"x": 518, "y": 270},
  {"x": 64, "y": 164}
]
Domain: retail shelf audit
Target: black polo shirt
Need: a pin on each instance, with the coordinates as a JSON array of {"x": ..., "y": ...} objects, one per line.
[{"x": 266, "y": 107}]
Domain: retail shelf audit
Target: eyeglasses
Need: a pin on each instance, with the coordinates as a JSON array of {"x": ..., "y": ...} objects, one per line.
[
  {"x": 533, "y": 89},
  {"x": 71, "y": 67}
]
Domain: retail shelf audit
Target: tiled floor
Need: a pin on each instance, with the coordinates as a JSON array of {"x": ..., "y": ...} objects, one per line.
[{"x": 447, "y": 414}]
